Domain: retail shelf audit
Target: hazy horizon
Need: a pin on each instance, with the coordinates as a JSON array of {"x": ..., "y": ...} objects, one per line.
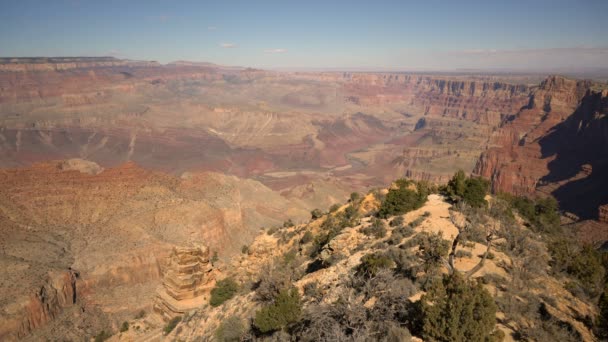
[{"x": 386, "y": 35}]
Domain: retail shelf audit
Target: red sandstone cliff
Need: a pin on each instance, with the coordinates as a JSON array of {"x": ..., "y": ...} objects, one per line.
[{"x": 544, "y": 147}]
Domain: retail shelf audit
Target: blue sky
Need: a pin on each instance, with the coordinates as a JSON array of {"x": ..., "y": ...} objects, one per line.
[{"x": 409, "y": 35}]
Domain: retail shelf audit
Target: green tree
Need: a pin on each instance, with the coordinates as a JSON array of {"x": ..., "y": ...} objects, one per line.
[
  {"x": 458, "y": 310},
  {"x": 475, "y": 192},
  {"x": 286, "y": 309},
  {"x": 456, "y": 186},
  {"x": 223, "y": 290},
  {"x": 403, "y": 199}
]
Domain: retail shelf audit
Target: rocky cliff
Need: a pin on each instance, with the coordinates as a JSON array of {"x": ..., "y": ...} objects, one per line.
[{"x": 556, "y": 145}]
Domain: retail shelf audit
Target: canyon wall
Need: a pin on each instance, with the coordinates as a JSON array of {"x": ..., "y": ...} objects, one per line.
[{"x": 556, "y": 145}]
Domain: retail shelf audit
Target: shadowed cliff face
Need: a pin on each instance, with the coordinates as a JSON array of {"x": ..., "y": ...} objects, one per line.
[{"x": 555, "y": 145}]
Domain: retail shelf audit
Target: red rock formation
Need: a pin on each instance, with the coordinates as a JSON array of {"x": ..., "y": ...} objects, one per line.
[{"x": 555, "y": 145}]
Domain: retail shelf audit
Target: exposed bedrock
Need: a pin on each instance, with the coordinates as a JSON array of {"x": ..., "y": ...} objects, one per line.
[{"x": 555, "y": 145}]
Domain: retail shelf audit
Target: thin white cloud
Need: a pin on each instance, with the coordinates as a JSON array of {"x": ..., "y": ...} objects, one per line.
[
  {"x": 275, "y": 50},
  {"x": 211, "y": 28},
  {"x": 227, "y": 45}
]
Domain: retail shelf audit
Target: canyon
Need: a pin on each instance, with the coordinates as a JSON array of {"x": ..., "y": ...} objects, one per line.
[{"x": 115, "y": 170}]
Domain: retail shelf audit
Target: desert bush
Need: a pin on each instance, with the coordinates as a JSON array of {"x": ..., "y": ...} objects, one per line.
[
  {"x": 288, "y": 223},
  {"x": 396, "y": 222},
  {"x": 463, "y": 254},
  {"x": 272, "y": 230},
  {"x": 311, "y": 289},
  {"x": 172, "y": 324},
  {"x": 140, "y": 314},
  {"x": 334, "y": 207},
  {"x": 306, "y": 238},
  {"x": 273, "y": 278},
  {"x": 124, "y": 327},
  {"x": 224, "y": 290},
  {"x": 418, "y": 221},
  {"x": 372, "y": 263},
  {"x": 245, "y": 249},
  {"x": 355, "y": 197},
  {"x": 432, "y": 249},
  {"x": 286, "y": 309},
  {"x": 343, "y": 320},
  {"x": 377, "y": 229},
  {"x": 455, "y": 309},
  {"x": 102, "y": 336},
  {"x": 315, "y": 214},
  {"x": 230, "y": 329}
]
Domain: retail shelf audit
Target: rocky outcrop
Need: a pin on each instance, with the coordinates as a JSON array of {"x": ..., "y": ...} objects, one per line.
[
  {"x": 187, "y": 281},
  {"x": 43, "y": 305}
]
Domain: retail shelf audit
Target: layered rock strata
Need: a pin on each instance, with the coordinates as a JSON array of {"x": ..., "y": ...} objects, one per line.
[{"x": 187, "y": 282}]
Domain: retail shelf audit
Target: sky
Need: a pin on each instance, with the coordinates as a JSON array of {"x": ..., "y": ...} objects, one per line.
[{"x": 394, "y": 35}]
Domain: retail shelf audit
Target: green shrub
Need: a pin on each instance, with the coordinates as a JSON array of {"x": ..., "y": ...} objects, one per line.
[
  {"x": 230, "y": 329},
  {"x": 245, "y": 249},
  {"x": 471, "y": 190},
  {"x": 224, "y": 289},
  {"x": 272, "y": 230},
  {"x": 140, "y": 314},
  {"x": 355, "y": 197},
  {"x": 288, "y": 223},
  {"x": 403, "y": 199},
  {"x": 376, "y": 229},
  {"x": 172, "y": 324},
  {"x": 455, "y": 309},
  {"x": 124, "y": 327},
  {"x": 372, "y": 263},
  {"x": 286, "y": 309},
  {"x": 334, "y": 207}
]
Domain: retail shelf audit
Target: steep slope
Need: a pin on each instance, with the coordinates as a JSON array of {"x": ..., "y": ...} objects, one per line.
[
  {"x": 555, "y": 145},
  {"x": 98, "y": 239}
]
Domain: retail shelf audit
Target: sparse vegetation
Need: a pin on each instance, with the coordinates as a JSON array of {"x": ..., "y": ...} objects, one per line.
[
  {"x": 224, "y": 290},
  {"x": 124, "y": 327},
  {"x": 102, "y": 336},
  {"x": 172, "y": 324},
  {"x": 377, "y": 229},
  {"x": 230, "y": 329}
]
